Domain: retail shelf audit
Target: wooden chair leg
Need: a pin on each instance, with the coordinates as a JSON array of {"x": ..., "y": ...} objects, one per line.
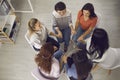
[
  {"x": 95, "y": 67},
  {"x": 109, "y": 71}
]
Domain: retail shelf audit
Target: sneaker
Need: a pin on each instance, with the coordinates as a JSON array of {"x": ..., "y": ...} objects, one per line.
[{"x": 65, "y": 48}]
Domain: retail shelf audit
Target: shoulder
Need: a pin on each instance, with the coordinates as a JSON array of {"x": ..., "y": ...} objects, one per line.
[
  {"x": 68, "y": 12},
  {"x": 94, "y": 18},
  {"x": 55, "y": 14}
]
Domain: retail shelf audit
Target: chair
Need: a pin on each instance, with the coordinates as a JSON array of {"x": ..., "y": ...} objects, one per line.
[
  {"x": 96, "y": 67},
  {"x": 38, "y": 76},
  {"x": 28, "y": 40},
  {"x": 35, "y": 73}
]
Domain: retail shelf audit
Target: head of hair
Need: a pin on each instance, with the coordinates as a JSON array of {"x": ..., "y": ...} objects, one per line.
[
  {"x": 90, "y": 8},
  {"x": 31, "y": 24},
  {"x": 100, "y": 41},
  {"x": 44, "y": 57},
  {"x": 60, "y": 6},
  {"x": 82, "y": 63},
  {"x": 69, "y": 61}
]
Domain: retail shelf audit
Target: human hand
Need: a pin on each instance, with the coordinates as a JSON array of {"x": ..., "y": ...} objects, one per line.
[
  {"x": 52, "y": 34},
  {"x": 73, "y": 31},
  {"x": 81, "y": 39},
  {"x": 64, "y": 58},
  {"x": 55, "y": 48},
  {"x": 59, "y": 35}
]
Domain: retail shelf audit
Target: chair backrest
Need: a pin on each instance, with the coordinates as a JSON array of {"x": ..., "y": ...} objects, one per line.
[
  {"x": 28, "y": 40},
  {"x": 38, "y": 76}
]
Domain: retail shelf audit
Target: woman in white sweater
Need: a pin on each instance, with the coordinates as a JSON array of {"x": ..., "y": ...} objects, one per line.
[{"x": 100, "y": 51}]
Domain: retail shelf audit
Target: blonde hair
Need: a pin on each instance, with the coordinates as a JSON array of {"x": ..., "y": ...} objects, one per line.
[{"x": 31, "y": 25}]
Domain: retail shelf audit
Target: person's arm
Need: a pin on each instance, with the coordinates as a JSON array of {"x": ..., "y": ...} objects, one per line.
[
  {"x": 52, "y": 34},
  {"x": 55, "y": 26},
  {"x": 59, "y": 35},
  {"x": 36, "y": 41},
  {"x": 77, "y": 20},
  {"x": 64, "y": 58},
  {"x": 95, "y": 67},
  {"x": 76, "y": 24},
  {"x": 89, "y": 30},
  {"x": 72, "y": 30},
  {"x": 81, "y": 38},
  {"x": 70, "y": 24}
]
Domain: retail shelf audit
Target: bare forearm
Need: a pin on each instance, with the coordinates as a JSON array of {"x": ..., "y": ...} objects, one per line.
[
  {"x": 76, "y": 25},
  {"x": 58, "y": 31},
  {"x": 95, "y": 67},
  {"x": 52, "y": 34},
  {"x": 87, "y": 32}
]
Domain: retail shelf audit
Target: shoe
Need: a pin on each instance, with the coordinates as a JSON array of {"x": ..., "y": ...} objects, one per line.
[{"x": 65, "y": 48}]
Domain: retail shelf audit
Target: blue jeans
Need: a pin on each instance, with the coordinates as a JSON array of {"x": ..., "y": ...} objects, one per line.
[
  {"x": 79, "y": 32},
  {"x": 58, "y": 54},
  {"x": 71, "y": 71},
  {"x": 66, "y": 33}
]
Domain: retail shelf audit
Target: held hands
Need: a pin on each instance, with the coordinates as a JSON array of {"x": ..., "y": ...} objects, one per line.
[{"x": 59, "y": 35}]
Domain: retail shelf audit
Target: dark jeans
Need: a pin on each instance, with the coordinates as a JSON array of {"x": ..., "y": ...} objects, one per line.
[
  {"x": 53, "y": 41},
  {"x": 66, "y": 33},
  {"x": 58, "y": 54}
]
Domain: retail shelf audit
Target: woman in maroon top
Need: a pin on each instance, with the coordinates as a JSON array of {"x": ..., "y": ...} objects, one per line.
[{"x": 85, "y": 23}]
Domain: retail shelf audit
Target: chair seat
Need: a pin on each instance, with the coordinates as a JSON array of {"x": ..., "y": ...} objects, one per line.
[
  {"x": 35, "y": 73},
  {"x": 28, "y": 40}
]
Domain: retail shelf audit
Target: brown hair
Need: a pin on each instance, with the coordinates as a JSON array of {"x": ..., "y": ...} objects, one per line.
[
  {"x": 44, "y": 57},
  {"x": 82, "y": 63},
  {"x": 31, "y": 25}
]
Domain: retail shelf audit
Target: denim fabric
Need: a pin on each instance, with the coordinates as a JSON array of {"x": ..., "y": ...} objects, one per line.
[
  {"x": 71, "y": 71},
  {"x": 58, "y": 54},
  {"x": 66, "y": 33},
  {"x": 79, "y": 32}
]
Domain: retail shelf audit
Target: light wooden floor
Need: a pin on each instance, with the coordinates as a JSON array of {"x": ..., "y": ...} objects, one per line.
[{"x": 16, "y": 61}]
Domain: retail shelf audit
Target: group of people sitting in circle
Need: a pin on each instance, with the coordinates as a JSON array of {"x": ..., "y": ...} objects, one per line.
[{"x": 92, "y": 44}]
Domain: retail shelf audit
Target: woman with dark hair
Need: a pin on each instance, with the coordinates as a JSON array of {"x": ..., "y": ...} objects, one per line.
[
  {"x": 100, "y": 51},
  {"x": 48, "y": 65},
  {"x": 78, "y": 66},
  {"x": 85, "y": 23}
]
